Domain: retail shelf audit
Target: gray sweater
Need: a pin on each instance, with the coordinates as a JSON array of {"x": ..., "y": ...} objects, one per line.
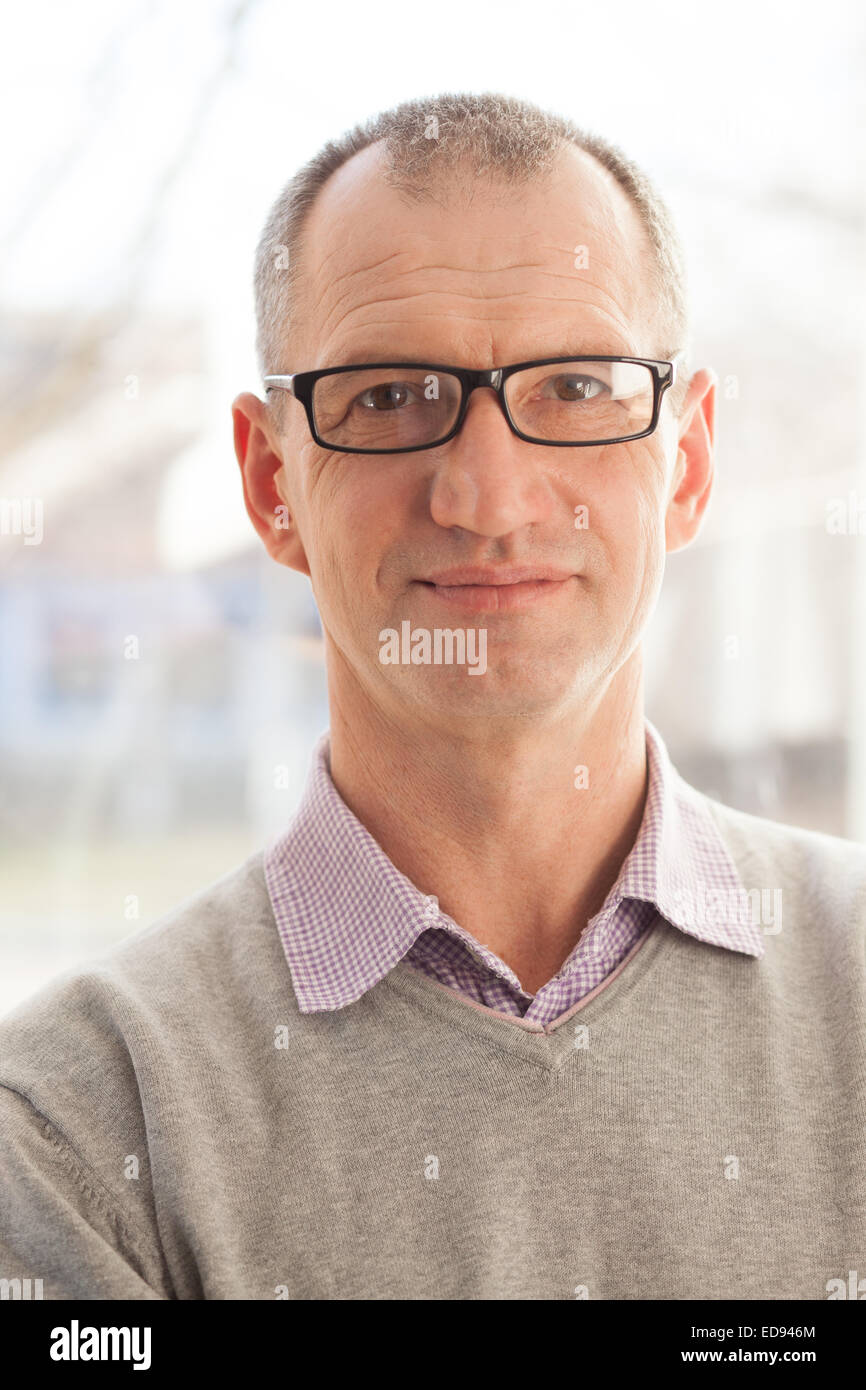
[{"x": 171, "y": 1126}]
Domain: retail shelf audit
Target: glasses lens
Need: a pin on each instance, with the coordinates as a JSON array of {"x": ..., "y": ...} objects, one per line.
[
  {"x": 385, "y": 407},
  {"x": 581, "y": 402}
]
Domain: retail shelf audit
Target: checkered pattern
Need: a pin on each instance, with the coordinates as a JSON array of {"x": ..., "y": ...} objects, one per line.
[{"x": 346, "y": 915}]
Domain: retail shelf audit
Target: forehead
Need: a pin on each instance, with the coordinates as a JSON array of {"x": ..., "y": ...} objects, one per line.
[{"x": 478, "y": 272}]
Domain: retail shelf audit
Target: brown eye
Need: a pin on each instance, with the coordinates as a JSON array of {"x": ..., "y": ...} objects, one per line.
[
  {"x": 576, "y": 388},
  {"x": 388, "y": 395}
]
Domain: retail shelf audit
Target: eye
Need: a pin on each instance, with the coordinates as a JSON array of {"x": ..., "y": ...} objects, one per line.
[
  {"x": 573, "y": 386},
  {"x": 387, "y": 395}
]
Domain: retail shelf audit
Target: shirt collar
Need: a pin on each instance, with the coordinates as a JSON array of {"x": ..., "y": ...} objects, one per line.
[
  {"x": 680, "y": 863},
  {"x": 346, "y": 915}
]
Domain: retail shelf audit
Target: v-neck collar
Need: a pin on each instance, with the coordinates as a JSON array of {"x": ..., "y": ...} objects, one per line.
[{"x": 347, "y": 916}]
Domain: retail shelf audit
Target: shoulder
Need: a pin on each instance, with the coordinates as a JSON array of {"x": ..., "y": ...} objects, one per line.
[
  {"x": 757, "y": 836},
  {"x": 196, "y": 932},
  {"x": 822, "y": 877},
  {"x": 83, "y": 1041}
]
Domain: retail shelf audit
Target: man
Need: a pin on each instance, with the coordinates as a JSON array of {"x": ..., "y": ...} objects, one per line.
[{"x": 510, "y": 1010}]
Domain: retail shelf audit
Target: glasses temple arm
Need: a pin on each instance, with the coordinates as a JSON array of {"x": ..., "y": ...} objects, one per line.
[{"x": 279, "y": 383}]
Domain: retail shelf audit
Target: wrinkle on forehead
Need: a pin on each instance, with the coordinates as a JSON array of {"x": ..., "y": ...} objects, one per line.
[
  {"x": 375, "y": 259},
  {"x": 536, "y": 313},
  {"x": 353, "y": 297}
]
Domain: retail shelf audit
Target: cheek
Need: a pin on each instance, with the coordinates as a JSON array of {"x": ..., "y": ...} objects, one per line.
[
  {"x": 359, "y": 512},
  {"x": 347, "y": 488},
  {"x": 629, "y": 522}
]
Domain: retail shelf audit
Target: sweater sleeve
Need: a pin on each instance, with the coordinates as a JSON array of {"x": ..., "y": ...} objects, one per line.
[{"x": 58, "y": 1222}]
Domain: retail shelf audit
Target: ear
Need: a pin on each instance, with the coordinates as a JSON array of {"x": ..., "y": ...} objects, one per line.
[
  {"x": 692, "y": 479},
  {"x": 259, "y": 454}
]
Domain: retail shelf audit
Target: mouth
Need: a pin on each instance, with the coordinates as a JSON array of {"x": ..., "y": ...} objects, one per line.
[{"x": 505, "y": 597}]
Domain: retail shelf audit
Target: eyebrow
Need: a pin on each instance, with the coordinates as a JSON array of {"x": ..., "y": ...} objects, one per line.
[{"x": 377, "y": 359}]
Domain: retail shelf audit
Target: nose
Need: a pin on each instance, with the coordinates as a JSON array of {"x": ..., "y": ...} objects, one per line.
[{"x": 487, "y": 480}]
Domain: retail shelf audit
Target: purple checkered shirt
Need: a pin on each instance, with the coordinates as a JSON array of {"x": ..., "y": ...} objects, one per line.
[{"x": 346, "y": 916}]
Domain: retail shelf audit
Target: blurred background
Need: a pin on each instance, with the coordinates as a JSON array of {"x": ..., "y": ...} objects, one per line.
[{"x": 161, "y": 681}]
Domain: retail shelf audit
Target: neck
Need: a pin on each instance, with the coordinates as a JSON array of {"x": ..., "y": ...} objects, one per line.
[{"x": 493, "y": 824}]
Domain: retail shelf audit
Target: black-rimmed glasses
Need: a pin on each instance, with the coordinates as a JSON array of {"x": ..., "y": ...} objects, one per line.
[{"x": 400, "y": 407}]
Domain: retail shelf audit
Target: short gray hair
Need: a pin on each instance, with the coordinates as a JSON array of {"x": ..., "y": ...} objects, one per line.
[{"x": 490, "y": 134}]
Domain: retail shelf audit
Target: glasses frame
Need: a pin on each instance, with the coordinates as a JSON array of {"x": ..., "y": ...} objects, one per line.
[{"x": 301, "y": 386}]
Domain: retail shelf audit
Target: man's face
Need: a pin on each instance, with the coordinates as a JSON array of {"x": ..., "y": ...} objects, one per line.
[{"x": 479, "y": 278}]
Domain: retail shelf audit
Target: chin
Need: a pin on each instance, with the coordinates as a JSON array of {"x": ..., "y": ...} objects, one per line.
[{"x": 454, "y": 694}]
